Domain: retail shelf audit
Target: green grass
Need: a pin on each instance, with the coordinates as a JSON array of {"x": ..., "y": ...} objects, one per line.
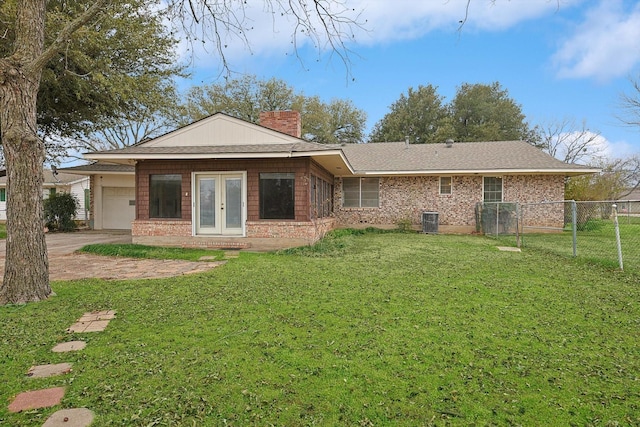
[
  {"x": 371, "y": 330},
  {"x": 155, "y": 252},
  {"x": 3, "y": 231},
  {"x": 596, "y": 244}
]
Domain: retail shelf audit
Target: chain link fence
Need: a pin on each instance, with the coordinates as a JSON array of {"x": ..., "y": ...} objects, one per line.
[{"x": 605, "y": 232}]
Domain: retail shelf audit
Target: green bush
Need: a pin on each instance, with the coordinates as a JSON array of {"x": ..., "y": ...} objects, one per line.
[{"x": 59, "y": 211}]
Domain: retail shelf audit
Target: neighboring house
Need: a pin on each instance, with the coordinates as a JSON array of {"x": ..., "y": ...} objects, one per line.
[
  {"x": 223, "y": 181},
  {"x": 58, "y": 182}
]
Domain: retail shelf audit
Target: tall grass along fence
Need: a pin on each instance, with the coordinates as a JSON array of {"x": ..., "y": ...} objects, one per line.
[{"x": 606, "y": 232}]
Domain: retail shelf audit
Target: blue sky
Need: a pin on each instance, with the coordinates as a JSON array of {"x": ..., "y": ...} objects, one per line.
[{"x": 557, "y": 58}]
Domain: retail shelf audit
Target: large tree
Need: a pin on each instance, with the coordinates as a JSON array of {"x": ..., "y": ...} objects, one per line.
[
  {"x": 483, "y": 112},
  {"x": 419, "y": 115},
  {"x": 478, "y": 112},
  {"x": 36, "y": 43},
  {"x": 116, "y": 70},
  {"x": 337, "y": 121}
]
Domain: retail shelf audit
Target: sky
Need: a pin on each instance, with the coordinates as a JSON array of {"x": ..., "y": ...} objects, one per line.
[{"x": 558, "y": 59}]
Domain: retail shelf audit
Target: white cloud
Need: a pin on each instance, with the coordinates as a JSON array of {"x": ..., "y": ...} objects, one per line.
[
  {"x": 270, "y": 34},
  {"x": 604, "y": 46},
  {"x": 408, "y": 19}
]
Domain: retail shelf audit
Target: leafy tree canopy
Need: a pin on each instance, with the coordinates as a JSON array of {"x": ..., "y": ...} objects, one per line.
[
  {"x": 338, "y": 121},
  {"x": 478, "y": 112},
  {"x": 417, "y": 115},
  {"x": 114, "y": 68}
]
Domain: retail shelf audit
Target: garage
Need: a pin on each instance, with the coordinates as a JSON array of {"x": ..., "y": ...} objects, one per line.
[{"x": 118, "y": 207}]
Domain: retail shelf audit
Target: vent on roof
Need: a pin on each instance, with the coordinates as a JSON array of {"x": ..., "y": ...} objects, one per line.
[{"x": 449, "y": 143}]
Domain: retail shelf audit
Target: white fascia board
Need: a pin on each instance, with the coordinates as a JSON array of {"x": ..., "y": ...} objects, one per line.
[
  {"x": 481, "y": 172},
  {"x": 125, "y": 158},
  {"x": 325, "y": 153}
]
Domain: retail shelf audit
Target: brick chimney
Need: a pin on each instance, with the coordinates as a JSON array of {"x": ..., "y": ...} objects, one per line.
[{"x": 288, "y": 122}]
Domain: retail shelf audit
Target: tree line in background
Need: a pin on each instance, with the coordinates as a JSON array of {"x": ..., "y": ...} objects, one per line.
[{"x": 478, "y": 112}]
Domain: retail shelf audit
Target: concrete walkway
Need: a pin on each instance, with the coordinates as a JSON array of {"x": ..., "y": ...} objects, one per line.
[{"x": 64, "y": 264}]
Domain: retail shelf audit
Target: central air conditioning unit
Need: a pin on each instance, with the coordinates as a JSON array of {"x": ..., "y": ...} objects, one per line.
[{"x": 430, "y": 222}]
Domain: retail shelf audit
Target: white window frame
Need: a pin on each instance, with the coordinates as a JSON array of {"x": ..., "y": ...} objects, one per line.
[
  {"x": 501, "y": 189},
  {"x": 360, "y": 179},
  {"x": 450, "y": 186}
]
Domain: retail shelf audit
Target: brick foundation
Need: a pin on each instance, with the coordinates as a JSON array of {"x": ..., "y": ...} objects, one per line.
[
  {"x": 179, "y": 233},
  {"x": 309, "y": 230}
]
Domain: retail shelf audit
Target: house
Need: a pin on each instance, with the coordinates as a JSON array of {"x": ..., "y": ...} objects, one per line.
[
  {"x": 55, "y": 182},
  {"x": 222, "y": 181}
]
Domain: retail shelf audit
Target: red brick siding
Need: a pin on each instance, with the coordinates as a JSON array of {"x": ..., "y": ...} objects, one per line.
[
  {"x": 288, "y": 122},
  {"x": 300, "y": 167}
]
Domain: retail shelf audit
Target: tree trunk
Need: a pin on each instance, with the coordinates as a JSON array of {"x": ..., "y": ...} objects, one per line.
[{"x": 26, "y": 276}]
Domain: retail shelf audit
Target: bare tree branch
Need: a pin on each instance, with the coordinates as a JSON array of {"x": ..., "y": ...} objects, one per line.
[
  {"x": 630, "y": 105},
  {"x": 566, "y": 141}
]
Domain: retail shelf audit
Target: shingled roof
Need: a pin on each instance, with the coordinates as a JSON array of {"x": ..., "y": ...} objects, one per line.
[
  {"x": 469, "y": 157},
  {"x": 224, "y": 137}
]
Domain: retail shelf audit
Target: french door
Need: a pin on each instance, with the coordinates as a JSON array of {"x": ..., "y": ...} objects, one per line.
[{"x": 219, "y": 203}]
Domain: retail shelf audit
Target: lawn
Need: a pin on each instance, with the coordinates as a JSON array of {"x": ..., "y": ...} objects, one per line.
[
  {"x": 365, "y": 330},
  {"x": 596, "y": 243}
]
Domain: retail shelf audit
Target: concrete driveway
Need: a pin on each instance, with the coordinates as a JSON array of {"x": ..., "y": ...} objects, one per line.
[{"x": 64, "y": 264}]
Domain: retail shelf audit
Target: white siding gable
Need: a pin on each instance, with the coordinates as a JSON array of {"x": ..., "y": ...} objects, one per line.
[{"x": 220, "y": 129}]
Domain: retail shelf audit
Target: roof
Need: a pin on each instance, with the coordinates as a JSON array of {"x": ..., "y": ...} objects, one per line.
[
  {"x": 392, "y": 158},
  {"x": 246, "y": 150},
  {"x": 51, "y": 180},
  {"x": 224, "y": 137},
  {"x": 99, "y": 168}
]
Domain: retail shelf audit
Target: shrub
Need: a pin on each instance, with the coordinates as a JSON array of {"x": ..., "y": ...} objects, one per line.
[{"x": 59, "y": 211}]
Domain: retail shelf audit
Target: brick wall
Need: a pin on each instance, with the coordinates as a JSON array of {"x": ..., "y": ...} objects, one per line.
[
  {"x": 288, "y": 122},
  {"x": 301, "y": 227},
  {"x": 160, "y": 228},
  {"x": 405, "y": 198},
  {"x": 310, "y": 230},
  {"x": 300, "y": 167}
]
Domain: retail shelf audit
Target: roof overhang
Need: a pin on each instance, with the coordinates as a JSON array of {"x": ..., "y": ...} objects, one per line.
[
  {"x": 565, "y": 172},
  {"x": 333, "y": 161}
]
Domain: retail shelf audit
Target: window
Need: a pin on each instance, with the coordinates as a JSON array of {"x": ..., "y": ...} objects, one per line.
[
  {"x": 360, "y": 192},
  {"x": 277, "y": 196},
  {"x": 492, "y": 189},
  {"x": 165, "y": 193},
  {"x": 321, "y": 198},
  {"x": 3, "y": 194},
  {"x": 445, "y": 185}
]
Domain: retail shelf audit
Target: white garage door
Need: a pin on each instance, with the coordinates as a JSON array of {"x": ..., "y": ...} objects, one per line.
[{"x": 118, "y": 207}]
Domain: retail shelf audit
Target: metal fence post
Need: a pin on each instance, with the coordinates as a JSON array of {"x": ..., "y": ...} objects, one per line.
[
  {"x": 617, "y": 227},
  {"x": 574, "y": 227},
  {"x": 518, "y": 225}
]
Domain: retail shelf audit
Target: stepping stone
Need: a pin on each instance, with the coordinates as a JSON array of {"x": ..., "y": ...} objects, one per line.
[
  {"x": 97, "y": 315},
  {"x": 79, "y": 417},
  {"x": 69, "y": 346},
  {"x": 44, "y": 371},
  {"x": 95, "y": 321},
  {"x": 97, "y": 326},
  {"x": 508, "y": 249},
  {"x": 37, "y": 399}
]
